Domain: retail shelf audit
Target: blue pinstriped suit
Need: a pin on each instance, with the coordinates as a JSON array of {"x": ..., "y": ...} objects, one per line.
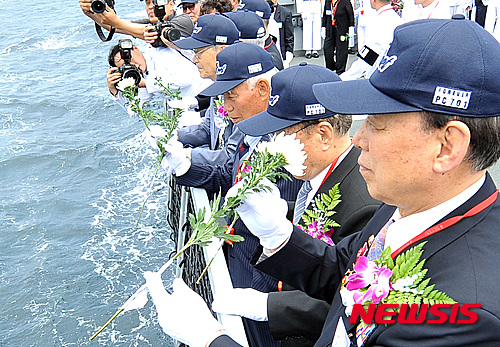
[{"x": 205, "y": 140}]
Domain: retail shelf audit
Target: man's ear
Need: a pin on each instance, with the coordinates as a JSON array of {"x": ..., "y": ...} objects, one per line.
[
  {"x": 455, "y": 139},
  {"x": 326, "y": 133},
  {"x": 263, "y": 88}
]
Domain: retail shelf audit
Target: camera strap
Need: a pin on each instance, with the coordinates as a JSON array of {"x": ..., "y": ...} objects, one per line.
[{"x": 98, "y": 30}]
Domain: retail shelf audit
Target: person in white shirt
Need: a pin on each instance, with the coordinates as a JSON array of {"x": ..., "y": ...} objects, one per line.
[
  {"x": 379, "y": 33},
  {"x": 166, "y": 63},
  {"x": 492, "y": 20},
  {"x": 427, "y": 9}
]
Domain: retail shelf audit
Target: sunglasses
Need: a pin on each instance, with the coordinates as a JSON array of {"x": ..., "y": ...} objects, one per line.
[{"x": 188, "y": 6}]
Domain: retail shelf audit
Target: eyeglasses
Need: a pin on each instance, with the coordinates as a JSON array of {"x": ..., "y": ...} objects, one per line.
[
  {"x": 188, "y": 6},
  {"x": 304, "y": 127},
  {"x": 198, "y": 52}
]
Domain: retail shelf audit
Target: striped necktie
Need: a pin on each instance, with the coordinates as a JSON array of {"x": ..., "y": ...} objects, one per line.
[
  {"x": 377, "y": 246},
  {"x": 300, "y": 203}
]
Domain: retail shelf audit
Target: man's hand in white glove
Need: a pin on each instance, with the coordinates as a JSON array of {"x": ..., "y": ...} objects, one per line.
[
  {"x": 264, "y": 214},
  {"x": 177, "y": 157},
  {"x": 183, "y": 314},
  {"x": 244, "y": 302},
  {"x": 186, "y": 103},
  {"x": 323, "y": 33}
]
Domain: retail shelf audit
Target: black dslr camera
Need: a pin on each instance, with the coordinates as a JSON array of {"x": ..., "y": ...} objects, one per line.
[
  {"x": 128, "y": 70},
  {"x": 99, "y": 6},
  {"x": 162, "y": 27}
]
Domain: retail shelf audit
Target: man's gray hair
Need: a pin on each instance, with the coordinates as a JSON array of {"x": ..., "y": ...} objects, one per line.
[
  {"x": 252, "y": 81},
  {"x": 261, "y": 42},
  {"x": 341, "y": 123}
]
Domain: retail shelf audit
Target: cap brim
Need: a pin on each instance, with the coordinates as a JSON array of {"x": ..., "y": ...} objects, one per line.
[
  {"x": 357, "y": 97},
  {"x": 220, "y": 87},
  {"x": 190, "y": 43},
  {"x": 264, "y": 123}
]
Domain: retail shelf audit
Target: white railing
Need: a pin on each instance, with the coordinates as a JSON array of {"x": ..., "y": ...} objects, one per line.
[{"x": 182, "y": 202}]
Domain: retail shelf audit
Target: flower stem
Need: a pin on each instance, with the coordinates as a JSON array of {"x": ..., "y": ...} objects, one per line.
[
  {"x": 218, "y": 249},
  {"x": 150, "y": 190}
]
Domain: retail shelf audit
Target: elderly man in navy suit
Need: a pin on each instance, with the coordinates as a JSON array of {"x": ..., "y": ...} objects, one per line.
[{"x": 431, "y": 134}]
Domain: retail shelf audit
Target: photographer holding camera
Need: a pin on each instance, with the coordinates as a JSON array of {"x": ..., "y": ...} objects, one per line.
[
  {"x": 126, "y": 60},
  {"x": 103, "y": 14}
]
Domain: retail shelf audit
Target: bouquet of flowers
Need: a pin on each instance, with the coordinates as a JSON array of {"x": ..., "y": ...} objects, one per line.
[
  {"x": 388, "y": 281},
  {"x": 317, "y": 222}
]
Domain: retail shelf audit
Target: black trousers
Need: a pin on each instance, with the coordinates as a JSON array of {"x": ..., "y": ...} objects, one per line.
[{"x": 335, "y": 52}]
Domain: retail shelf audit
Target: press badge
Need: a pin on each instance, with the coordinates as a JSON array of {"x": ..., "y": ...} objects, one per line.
[{"x": 341, "y": 339}]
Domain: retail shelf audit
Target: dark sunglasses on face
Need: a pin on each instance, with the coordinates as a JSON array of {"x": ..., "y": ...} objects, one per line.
[{"x": 188, "y": 6}]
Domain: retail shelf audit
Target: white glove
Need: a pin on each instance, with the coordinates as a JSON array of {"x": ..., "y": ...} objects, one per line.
[
  {"x": 288, "y": 59},
  {"x": 183, "y": 314},
  {"x": 244, "y": 302},
  {"x": 323, "y": 33},
  {"x": 186, "y": 103},
  {"x": 351, "y": 37},
  {"x": 264, "y": 214},
  {"x": 351, "y": 31},
  {"x": 178, "y": 158}
]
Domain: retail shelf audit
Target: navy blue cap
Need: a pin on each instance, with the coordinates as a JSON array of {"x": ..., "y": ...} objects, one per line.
[
  {"x": 189, "y": 1},
  {"x": 446, "y": 66},
  {"x": 237, "y": 63},
  {"x": 291, "y": 101},
  {"x": 248, "y": 23},
  {"x": 211, "y": 29},
  {"x": 260, "y": 7}
]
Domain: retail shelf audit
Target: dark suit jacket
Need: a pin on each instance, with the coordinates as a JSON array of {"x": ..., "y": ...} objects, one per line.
[
  {"x": 293, "y": 313},
  {"x": 284, "y": 16},
  {"x": 271, "y": 48},
  {"x": 344, "y": 17},
  {"x": 462, "y": 261}
]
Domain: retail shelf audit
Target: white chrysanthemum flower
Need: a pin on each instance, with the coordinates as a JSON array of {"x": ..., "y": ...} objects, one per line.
[
  {"x": 291, "y": 148},
  {"x": 124, "y": 83}
]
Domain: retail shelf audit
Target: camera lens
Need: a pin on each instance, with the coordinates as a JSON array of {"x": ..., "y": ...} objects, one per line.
[
  {"x": 98, "y": 6},
  {"x": 133, "y": 73},
  {"x": 171, "y": 34}
]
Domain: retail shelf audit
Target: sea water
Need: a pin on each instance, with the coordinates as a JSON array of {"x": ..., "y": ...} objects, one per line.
[{"x": 74, "y": 171}]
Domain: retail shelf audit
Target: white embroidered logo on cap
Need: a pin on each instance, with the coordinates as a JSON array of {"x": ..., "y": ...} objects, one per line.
[
  {"x": 254, "y": 68},
  {"x": 451, "y": 97},
  {"x": 273, "y": 99},
  {"x": 261, "y": 32},
  {"x": 386, "y": 62},
  {"x": 260, "y": 14},
  {"x": 197, "y": 29},
  {"x": 220, "y": 69},
  {"x": 314, "y": 109},
  {"x": 221, "y": 39}
]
